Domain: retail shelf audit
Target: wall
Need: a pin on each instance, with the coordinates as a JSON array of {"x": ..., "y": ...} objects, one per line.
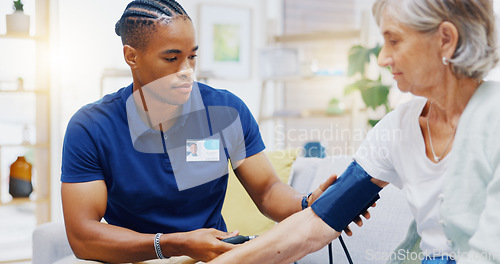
[{"x": 247, "y": 89}]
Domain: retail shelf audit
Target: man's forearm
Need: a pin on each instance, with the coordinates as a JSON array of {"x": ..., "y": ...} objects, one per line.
[
  {"x": 114, "y": 244},
  {"x": 289, "y": 241},
  {"x": 281, "y": 202},
  {"x": 103, "y": 242}
]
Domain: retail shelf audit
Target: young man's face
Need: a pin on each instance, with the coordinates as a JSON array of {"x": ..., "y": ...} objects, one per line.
[{"x": 165, "y": 68}]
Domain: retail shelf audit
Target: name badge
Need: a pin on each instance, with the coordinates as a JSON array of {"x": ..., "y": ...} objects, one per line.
[{"x": 202, "y": 150}]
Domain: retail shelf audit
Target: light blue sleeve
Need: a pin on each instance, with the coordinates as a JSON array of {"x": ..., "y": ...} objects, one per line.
[
  {"x": 471, "y": 207},
  {"x": 485, "y": 241}
]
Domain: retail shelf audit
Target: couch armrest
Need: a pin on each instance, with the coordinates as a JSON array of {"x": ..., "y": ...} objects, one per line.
[{"x": 50, "y": 243}]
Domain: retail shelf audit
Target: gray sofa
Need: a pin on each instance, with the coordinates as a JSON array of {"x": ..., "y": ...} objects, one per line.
[
  {"x": 50, "y": 244},
  {"x": 371, "y": 243}
]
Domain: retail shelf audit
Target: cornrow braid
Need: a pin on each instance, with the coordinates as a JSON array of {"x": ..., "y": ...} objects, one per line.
[
  {"x": 151, "y": 6},
  {"x": 175, "y": 6},
  {"x": 139, "y": 19}
]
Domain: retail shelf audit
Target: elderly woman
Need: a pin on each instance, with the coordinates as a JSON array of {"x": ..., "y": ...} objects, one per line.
[{"x": 447, "y": 160}]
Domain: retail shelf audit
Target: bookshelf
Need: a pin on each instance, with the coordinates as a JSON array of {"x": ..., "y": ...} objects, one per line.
[{"x": 293, "y": 109}]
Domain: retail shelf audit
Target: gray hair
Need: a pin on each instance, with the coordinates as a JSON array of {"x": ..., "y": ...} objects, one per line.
[{"x": 476, "y": 53}]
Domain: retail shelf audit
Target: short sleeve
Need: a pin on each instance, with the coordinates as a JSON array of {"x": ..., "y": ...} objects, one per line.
[
  {"x": 80, "y": 158},
  {"x": 375, "y": 153}
]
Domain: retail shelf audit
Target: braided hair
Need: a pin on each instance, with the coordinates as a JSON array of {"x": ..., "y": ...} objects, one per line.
[{"x": 141, "y": 17}]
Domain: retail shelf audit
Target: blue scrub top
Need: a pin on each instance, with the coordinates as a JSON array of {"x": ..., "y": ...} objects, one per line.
[{"x": 151, "y": 185}]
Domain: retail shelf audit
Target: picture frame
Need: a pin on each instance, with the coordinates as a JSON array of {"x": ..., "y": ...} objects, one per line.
[{"x": 225, "y": 39}]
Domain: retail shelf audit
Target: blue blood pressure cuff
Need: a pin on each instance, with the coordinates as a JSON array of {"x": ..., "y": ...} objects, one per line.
[{"x": 346, "y": 198}]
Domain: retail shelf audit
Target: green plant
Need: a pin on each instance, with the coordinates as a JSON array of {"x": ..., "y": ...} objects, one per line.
[
  {"x": 373, "y": 92},
  {"x": 334, "y": 107},
  {"x": 18, "y": 5}
]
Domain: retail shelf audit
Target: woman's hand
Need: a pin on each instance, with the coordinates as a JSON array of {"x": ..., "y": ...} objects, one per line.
[{"x": 321, "y": 189}]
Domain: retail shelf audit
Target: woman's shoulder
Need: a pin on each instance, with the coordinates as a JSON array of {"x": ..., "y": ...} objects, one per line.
[
  {"x": 483, "y": 108},
  {"x": 486, "y": 97},
  {"x": 413, "y": 106},
  {"x": 404, "y": 113}
]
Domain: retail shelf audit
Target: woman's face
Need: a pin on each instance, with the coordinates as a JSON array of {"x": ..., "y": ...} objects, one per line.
[
  {"x": 165, "y": 68},
  {"x": 412, "y": 56}
]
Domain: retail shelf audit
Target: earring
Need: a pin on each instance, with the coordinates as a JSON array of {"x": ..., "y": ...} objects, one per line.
[{"x": 445, "y": 61}]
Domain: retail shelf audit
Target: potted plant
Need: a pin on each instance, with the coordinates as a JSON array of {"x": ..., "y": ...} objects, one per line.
[
  {"x": 335, "y": 107},
  {"x": 18, "y": 22},
  {"x": 373, "y": 92}
]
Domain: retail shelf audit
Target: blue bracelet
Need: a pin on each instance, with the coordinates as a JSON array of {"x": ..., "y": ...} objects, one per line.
[
  {"x": 304, "y": 203},
  {"x": 346, "y": 198}
]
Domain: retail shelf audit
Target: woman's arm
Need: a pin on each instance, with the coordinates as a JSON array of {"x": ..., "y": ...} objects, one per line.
[
  {"x": 306, "y": 232},
  {"x": 289, "y": 241}
]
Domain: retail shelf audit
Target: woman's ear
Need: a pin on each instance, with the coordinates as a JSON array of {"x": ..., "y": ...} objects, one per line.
[
  {"x": 448, "y": 34},
  {"x": 130, "y": 55}
]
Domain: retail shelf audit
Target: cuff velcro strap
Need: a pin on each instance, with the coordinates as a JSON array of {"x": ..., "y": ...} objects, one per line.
[{"x": 346, "y": 198}]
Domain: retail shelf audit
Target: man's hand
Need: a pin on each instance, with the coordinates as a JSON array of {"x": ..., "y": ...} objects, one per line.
[
  {"x": 322, "y": 188},
  {"x": 289, "y": 241},
  {"x": 203, "y": 244}
]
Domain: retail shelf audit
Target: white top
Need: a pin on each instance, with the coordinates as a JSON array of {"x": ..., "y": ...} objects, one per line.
[{"x": 394, "y": 151}]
